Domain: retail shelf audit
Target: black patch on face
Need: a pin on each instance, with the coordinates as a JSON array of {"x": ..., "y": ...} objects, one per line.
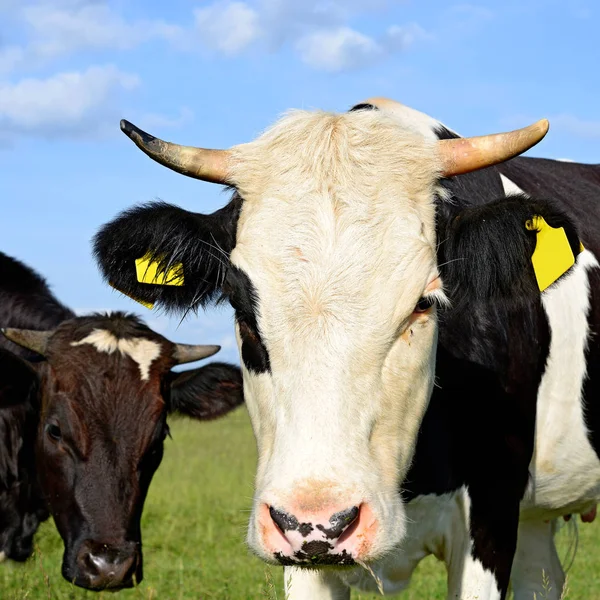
[
  {"x": 316, "y": 548},
  {"x": 305, "y": 529},
  {"x": 242, "y": 296},
  {"x": 317, "y": 559}
]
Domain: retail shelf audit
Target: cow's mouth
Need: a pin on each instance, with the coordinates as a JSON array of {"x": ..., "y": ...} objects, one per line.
[{"x": 315, "y": 553}]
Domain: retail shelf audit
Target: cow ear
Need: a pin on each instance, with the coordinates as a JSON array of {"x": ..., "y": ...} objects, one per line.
[
  {"x": 159, "y": 254},
  {"x": 511, "y": 249},
  {"x": 208, "y": 392}
]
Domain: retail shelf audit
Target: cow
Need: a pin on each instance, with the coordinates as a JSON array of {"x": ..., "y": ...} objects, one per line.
[
  {"x": 417, "y": 318},
  {"x": 83, "y": 416}
]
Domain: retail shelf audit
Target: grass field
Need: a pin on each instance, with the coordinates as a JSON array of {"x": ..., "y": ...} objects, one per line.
[{"x": 194, "y": 525}]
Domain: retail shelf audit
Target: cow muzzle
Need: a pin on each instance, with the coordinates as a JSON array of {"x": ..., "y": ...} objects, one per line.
[
  {"x": 331, "y": 536},
  {"x": 101, "y": 566}
]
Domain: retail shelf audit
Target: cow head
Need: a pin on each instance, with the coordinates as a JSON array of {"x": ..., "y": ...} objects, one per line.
[
  {"x": 328, "y": 254},
  {"x": 101, "y": 415}
]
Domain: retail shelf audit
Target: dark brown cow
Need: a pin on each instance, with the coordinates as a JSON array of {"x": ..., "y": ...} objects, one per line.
[{"x": 83, "y": 409}]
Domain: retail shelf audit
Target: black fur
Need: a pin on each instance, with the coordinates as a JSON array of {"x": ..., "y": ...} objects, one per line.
[
  {"x": 241, "y": 294},
  {"x": 26, "y": 302},
  {"x": 207, "y": 392},
  {"x": 171, "y": 235},
  {"x": 485, "y": 250}
]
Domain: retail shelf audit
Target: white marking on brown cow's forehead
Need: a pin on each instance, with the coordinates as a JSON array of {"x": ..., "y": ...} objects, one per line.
[{"x": 144, "y": 352}]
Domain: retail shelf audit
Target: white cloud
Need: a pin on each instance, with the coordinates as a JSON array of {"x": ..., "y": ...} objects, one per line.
[
  {"x": 10, "y": 58},
  {"x": 58, "y": 28},
  {"x": 342, "y": 48},
  {"x": 338, "y": 49},
  {"x": 228, "y": 27},
  {"x": 318, "y": 31},
  {"x": 401, "y": 37},
  {"x": 67, "y": 104}
]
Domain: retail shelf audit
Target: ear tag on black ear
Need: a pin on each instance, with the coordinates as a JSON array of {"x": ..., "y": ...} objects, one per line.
[
  {"x": 148, "y": 305},
  {"x": 552, "y": 256},
  {"x": 147, "y": 272}
]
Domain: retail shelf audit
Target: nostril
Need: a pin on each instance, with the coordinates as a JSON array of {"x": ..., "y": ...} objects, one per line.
[
  {"x": 94, "y": 563},
  {"x": 283, "y": 520},
  {"x": 339, "y": 522}
]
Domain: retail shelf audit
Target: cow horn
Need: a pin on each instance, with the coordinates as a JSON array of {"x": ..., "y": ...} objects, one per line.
[
  {"x": 200, "y": 163},
  {"x": 30, "y": 339},
  {"x": 186, "y": 353},
  {"x": 463, "y": 155}
]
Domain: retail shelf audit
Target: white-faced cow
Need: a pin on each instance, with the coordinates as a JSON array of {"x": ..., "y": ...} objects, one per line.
[
  {"x": 411, "y": 389},
  {"x": 83, "y": 417}
]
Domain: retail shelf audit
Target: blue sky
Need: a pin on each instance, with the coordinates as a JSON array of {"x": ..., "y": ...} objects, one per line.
[{"x": 217, "y": 73}]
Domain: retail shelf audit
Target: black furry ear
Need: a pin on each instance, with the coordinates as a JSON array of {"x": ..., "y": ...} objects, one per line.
[
  {"x": 486, "y": 251},
  {"x": 193, "y": 247},
  {"x": 208, "y": 392}
]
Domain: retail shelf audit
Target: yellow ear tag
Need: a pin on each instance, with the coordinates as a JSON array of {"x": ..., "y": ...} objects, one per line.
[
  {"x": 148, "y": 305},
  {"x": 552, "y": 256},
  {"x": 147, "y": 272}
]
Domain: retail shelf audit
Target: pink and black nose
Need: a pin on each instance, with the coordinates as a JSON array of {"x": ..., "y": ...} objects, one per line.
[{"x": 303, "y": 539}]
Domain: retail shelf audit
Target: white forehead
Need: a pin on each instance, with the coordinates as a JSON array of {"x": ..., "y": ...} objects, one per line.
[
  {"x": 142, "y": 351},
  {"x": 338, "y": 217}
]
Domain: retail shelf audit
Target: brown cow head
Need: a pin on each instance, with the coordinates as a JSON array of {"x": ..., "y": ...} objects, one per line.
[{"x": 105, "y": 393}]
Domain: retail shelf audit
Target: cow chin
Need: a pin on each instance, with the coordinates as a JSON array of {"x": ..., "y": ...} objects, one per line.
[{"x": 326, "y": 527}]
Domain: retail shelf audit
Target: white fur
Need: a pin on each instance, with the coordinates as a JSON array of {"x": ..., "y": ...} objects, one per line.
[
  {"x": 510, "y": 187},
  {"x": 349, "y": 250},
  {"x": 303, "y": 584},
  {"x": 565, "y": 468},
  {"x": 144, "y": 352}
]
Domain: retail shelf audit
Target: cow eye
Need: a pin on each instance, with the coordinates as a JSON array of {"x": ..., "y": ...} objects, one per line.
[
  {"x": 424, "y": 304},
  {"x": 54, "y": 432}
]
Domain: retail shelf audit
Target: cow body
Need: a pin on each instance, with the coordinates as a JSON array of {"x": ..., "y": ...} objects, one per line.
[
  {"x": 340, "y": 237},
  {"x": 83, "y": 407}
]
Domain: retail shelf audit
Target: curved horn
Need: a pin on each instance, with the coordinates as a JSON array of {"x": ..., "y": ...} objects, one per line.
[
  {"x": 463, "y": 155},
  {"x": 30, "y": 339},
  {"x": 200, "y": 163},
  {"x": 186, "y": 353}
]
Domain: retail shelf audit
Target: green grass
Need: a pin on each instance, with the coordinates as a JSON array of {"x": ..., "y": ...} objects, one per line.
[{"x": 194, "y": 527}]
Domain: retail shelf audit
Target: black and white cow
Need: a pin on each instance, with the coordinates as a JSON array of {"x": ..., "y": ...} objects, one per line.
[
  {"x": 411, "y": 389},
  {"x": 83, "y": 417}
]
